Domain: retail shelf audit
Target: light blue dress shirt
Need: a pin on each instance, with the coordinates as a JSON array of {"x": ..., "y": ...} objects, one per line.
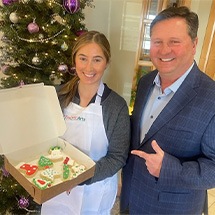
[{"x": 157, "y": 101}]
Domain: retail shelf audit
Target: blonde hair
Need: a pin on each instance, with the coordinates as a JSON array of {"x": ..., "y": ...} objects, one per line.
[{"x": 67, "y": 92}]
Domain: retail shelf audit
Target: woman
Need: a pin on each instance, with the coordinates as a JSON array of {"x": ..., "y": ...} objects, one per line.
[{"x": 98, "y": 124}]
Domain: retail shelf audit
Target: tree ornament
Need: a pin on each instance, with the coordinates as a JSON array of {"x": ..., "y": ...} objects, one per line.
[
  {"x": 23, "y": 202},
  {"x": 71, "y": 6},
  {"x": 80, "y": 32},
  {"x": 72, "y": 70},
  {"x": 36, "y": 60},
  {"x": 5, "y": 69},
  {"x": 33, "y": 27},
  {"x": 64, "y": 46},
  {"x": 7, "y": 2},
  {"x": 14, "y": 17},
  {"x": 63, "y": 68}
]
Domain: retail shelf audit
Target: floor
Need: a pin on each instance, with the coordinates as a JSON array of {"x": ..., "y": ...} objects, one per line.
[{"x": 211, "y": 204}]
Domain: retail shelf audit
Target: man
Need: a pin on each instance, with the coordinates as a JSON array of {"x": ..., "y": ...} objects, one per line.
[{"x": 172, "y": 160}]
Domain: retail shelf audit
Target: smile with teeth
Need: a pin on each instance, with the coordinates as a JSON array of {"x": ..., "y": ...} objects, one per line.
[
  {"x": 89, "y": 75},
  {"x": 166, "y": 59}
]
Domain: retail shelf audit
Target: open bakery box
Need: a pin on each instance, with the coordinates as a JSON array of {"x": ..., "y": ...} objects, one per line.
[{"x": 31, "y": 123}]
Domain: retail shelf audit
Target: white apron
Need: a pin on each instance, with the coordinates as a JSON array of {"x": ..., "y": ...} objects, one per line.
[{"x": 85, "y": 130}]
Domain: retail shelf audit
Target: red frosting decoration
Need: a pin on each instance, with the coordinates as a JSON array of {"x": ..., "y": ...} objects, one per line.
[
  {"x": 41, "y": 181},
  {"x": 30, "y": 169},
  {"x": 66, "y": 160}
]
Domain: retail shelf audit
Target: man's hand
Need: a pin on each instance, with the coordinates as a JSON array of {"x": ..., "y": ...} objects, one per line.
[{"x": 153, "y": 161}]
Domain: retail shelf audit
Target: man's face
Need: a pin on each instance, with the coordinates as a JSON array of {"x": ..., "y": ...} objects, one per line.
[{"x": 172, "y": 50}]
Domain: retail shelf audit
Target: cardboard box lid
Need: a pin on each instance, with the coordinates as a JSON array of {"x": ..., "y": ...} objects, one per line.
[{"x": 29, "y": 115}]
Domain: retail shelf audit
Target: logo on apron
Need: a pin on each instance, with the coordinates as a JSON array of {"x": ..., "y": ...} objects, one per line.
[{"x": 74, "y": 118}]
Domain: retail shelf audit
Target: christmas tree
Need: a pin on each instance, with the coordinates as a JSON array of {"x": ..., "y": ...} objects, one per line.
[{"x": 38, "y": 37}]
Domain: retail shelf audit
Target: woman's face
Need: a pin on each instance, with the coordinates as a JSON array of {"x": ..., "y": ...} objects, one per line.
[{"x": 90, "y": 63}]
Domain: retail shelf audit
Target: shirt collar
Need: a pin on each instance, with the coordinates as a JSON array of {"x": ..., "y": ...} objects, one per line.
[{"x": 173, "y": 87}]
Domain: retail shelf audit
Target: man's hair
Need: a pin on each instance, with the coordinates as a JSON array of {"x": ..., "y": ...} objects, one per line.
[{"x": 183, "y": 12}]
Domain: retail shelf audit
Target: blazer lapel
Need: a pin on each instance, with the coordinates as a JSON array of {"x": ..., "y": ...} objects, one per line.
[{"x": 143, "y": 91}]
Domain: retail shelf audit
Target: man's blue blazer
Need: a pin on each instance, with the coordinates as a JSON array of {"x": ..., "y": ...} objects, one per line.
[{"x": 185, "y": 130}]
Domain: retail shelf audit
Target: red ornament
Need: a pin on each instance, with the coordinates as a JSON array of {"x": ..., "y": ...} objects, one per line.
[
  {"x": 33, "y": 27},
  {"x": 71, "y": 6}
]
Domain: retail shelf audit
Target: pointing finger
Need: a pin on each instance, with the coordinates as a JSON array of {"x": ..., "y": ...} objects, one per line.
[{"x": 140, "y": 153}]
